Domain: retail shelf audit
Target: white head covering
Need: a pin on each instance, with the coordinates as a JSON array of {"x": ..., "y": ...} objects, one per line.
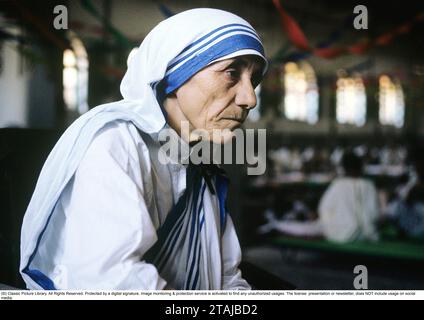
[{"x": 171, "y": 53}]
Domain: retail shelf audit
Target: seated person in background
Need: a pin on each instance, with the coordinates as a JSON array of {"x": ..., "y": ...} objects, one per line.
[
  {"x": 348, "y": 210},
  {"x": 407, "y": 210}
]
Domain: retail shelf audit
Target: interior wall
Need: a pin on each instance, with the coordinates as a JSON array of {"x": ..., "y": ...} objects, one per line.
[
  {"x": 14, "y": 78},
  {"x": 28, "y": 91}
]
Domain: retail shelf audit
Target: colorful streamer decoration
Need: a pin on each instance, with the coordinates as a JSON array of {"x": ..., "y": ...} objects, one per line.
[{"x": 300, "y": 41}]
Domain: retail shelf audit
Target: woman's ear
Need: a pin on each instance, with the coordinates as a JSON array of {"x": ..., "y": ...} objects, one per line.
[
  {"x": 171, "y": 102},
  {"x": 175, "y": 116}
]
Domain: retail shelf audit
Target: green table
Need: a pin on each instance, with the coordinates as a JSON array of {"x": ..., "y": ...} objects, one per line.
[{"x": 385, "y": 248}]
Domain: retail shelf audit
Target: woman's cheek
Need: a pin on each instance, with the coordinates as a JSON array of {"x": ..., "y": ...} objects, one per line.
[{"x": 217, "y": 109}]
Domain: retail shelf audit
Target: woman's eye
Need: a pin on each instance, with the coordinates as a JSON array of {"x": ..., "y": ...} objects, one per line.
[{"x": 233, "y": 74}]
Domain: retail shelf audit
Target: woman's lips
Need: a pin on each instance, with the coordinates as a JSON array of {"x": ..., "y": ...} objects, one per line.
[{"x": 235, "y": 122}]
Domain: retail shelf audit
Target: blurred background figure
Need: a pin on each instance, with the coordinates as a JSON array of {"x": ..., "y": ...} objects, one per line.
[
  {"x": 406, "y": 210},
  {"x": 349, "y": 209}
]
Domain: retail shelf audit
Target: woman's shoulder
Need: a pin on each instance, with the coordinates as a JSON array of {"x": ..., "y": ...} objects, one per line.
[
  {"x": 117, "y": 133},
  {"x": 120, "y": 140}
]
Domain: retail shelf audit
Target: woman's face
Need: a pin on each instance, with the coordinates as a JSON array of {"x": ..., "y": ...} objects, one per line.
[{"x": 218, "y": 97}]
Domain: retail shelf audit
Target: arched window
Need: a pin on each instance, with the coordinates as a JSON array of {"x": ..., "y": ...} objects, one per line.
[
  {"x": 75, "y": 76},
  {"x": 351, "y": 101},
  {"x": 391, "y": 100},
  {"x": 301, "y": 92}
]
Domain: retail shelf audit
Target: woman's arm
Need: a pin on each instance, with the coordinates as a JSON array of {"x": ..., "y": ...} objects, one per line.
[{"x": 108, "y": 227}]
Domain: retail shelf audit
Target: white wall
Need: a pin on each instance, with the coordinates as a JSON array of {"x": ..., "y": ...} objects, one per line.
[{"x": 13, "y": 87}]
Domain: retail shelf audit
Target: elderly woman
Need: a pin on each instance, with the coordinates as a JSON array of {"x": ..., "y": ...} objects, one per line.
[{"x": 106, "y": 212}]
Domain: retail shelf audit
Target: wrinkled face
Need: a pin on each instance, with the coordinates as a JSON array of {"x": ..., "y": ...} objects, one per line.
[{"x": 217, "y": 97}]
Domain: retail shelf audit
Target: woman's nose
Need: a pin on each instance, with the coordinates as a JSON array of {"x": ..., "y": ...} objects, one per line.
[{"x": 246, "y": 96}]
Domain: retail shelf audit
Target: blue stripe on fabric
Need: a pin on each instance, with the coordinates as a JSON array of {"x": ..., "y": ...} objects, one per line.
[
  {"x": 202, "y": 220},
  {"x": 191, "y": 45},
  {"x": 227, "y": 46},
  {"x": 165, "y": 245},
  {"x": 156, "y": 252},
  {"x": 195, "y": 226},
  {"x": 199, "y": 211},
  {"x": 196, "y": 277},
  {"x": 167, "y": 253},
  {"x": 164, "y": 248},
  {"x": 175, "y": 214},
  {"x": 222, "y": 188},
  {"x": 173, "y": 232},
  {"x": 40, "y": 278},
  {"x": 194, "y": 256},
  {"x": 191, "y": 254},
  {"x": 207, "y": 43},
  {"x": 190, "y": 263},
  {"x": 170, "y": 228},
  {"x": 199, "y": 208},
  {"x": 193, "y": 219}
]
